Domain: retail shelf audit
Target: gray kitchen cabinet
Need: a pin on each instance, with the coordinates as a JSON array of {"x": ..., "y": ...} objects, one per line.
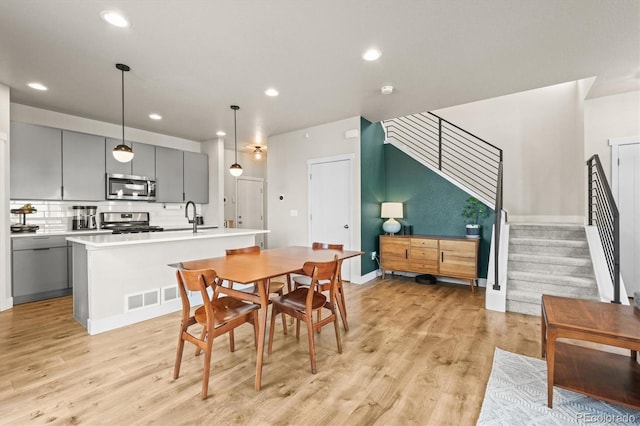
[
  {"x": 169, "y": 175},
  {"x": 144, "y": 160},
  {"x": 113, "y": 165},
  {"x": 83, "y": 166},
  {"x": 196, "y": 177},
  {"x": 39, "y": 268},
  {"x": 36, "y": 162}
]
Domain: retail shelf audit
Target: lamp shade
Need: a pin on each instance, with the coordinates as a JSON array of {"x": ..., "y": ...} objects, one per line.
[{"x": 391, "y": 210}]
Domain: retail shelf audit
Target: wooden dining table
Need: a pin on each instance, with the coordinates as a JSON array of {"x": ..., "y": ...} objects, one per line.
[{"x": 260, "y": 268}]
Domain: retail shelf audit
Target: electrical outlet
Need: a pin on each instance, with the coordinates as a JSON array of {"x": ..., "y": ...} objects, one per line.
[{"x": 373, "y": 255}]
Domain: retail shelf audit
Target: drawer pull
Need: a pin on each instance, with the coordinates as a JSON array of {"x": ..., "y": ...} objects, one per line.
[
  {"x": 441, "y": 256},
  {"x": 42, "y": 248}
]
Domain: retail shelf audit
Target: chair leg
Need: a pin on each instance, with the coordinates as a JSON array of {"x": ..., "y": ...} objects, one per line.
[
  {"x": 337, "y": 327},
  {"x": 342, "y": 308},
  {"x": 274, "y": 312},
  {"x": 319, "y": 319},
  {"x": 284, "y": 318},
  {"x": 255, "y": 328},
  {"x": 232, "y": 344},
  {"x": 297, "y": 328},
  {"x": 202, "y": 337},
  {"x": 176, "y": 367},
  {"x": 207, "y": 368},
  {"x": 312, "y": 344}
]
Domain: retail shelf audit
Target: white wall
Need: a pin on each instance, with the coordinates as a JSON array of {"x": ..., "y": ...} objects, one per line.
[
  {"x": 43, "y": 117},
  {"x": 540, "y": 132},
  {"x": 5, "y": 253},
  {"x": 608, "y": 117},
  {"x": 287, "y": 174}
]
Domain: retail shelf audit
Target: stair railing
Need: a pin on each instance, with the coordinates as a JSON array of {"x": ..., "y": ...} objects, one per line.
[
  {"x": 463, "y": 156},
  {"x": 497, "y": 225},
  {"x": 603, "y": 213}
]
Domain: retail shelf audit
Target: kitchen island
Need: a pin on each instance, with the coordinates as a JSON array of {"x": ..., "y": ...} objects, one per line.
[{"x": 123, "y": 279}]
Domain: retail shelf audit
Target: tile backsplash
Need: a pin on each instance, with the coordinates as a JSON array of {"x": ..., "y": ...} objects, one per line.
[{"x": 53, "y": 216}]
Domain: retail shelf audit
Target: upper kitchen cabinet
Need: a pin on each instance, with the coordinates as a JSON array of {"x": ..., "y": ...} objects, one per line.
[
  {"x": 144, "y": 160},
  {"x": 83, "y": 162},
  {"x": 196, "y": 177},
  {"x": 169, "y": 175},
  {"x": 113, "y": 165},
  {"x": 36, "y": 162},
  {"x": 143, "y": 163}
]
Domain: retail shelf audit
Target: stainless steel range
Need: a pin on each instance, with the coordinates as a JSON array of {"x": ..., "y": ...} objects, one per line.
[{"x": 127, "y": 222}]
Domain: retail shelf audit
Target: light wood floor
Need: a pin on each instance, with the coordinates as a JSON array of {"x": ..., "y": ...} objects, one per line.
[{"x": 415, "y": 355}]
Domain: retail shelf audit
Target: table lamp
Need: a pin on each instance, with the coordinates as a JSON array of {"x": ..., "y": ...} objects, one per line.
[{"x": 392, "y": 211}]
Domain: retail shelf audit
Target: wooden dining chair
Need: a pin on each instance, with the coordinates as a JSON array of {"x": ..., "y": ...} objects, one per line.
[
  {"x": 323, "y": 285},
  {"x": 302, "y": 302},
  {"x": 274, "y": 286},
  {"x": 217, "y": 315}
]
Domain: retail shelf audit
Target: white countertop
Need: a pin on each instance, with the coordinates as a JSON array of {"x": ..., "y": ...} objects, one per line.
[{"x": 113, "y": 240}]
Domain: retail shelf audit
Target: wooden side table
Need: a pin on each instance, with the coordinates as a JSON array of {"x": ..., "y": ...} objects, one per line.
[{"x": 603, "y": 375}]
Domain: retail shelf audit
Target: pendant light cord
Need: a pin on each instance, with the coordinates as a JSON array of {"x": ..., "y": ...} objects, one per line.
[
  {"x": 235, "y": 134},
  {"x": 122, "y": 71}
]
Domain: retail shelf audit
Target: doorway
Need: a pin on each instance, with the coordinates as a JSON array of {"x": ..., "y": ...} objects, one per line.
[
  {"x": 625, "y": 185},
  {"x": 250, "y": 205},
  {"x": 330, "y": 210}
]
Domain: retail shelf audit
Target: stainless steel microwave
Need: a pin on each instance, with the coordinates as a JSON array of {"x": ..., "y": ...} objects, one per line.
[{"x": 129, "y": 187}]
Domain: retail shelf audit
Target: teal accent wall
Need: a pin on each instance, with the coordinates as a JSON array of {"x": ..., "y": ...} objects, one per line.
[
  {"x": 373, "y": 182},
  {"x": 431, "y": 203}
]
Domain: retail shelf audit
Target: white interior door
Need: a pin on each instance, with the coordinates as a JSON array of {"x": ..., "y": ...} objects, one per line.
[
  {"x": 330, "y": 203},
  {"x": 628, "y": 200},
  {"x": 250, "y": 206}
]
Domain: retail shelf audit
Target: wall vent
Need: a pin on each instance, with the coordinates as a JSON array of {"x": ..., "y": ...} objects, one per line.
[
  {"x": 141, "y": 300},
  {"x": 170, "y": 293}
]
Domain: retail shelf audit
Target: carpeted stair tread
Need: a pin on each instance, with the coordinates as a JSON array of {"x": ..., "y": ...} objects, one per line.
[
  {"x": 557, "y": 231},
  {"x": 548, "y": 242},
  {"x": 523, "y": 307},
  {"x": 567, "y": 280},
  {"x": 550, "y": 260},
  {"x": 535, "y": 297}
]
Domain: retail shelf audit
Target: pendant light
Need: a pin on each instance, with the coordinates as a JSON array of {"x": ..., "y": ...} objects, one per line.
[
  {"x": 257, "y": 153},
  {"x": 122, "y": 152},
  {"x": 235, "y": 169}
]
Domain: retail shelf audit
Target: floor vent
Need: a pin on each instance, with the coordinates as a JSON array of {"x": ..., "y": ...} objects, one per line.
[
  {"x": 169, "y": 293},
  {"x": 141, "y": 300}
]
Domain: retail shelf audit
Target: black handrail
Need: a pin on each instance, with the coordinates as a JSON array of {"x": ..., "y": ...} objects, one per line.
[
  {"x": 603, "y": 213},
  {"x": 496, "y": 228},
  {"x": 463, "y": 156}
]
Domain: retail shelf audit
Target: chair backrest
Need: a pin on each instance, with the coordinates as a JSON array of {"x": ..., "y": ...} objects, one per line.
[
  {"x": 197, "y": 280},
  {"x": 319, "y": 271},
  {"x": 243, "y": 250},
  {"x": 327, "y": 246}
]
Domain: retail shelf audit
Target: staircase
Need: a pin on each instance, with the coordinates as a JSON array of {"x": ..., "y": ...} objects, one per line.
[{"x": 547, "y": 259}]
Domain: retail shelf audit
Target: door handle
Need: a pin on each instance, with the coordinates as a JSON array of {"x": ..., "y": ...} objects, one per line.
[{"x": 346, "y": 227}]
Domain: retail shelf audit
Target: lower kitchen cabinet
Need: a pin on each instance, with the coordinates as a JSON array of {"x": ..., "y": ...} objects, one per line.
[
  {"x": 445, "y": 256},
  {"x": 39, "y": 268}
]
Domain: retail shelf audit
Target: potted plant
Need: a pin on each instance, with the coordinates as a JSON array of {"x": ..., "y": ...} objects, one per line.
[{"x": 472, "y": 211}]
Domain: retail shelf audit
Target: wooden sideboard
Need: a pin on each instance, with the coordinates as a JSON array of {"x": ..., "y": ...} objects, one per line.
[{"x": 445, "y": 256}]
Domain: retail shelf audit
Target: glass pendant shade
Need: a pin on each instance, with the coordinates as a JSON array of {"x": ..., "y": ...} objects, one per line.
[
  {"x": 235, "y": 169},
  {"x": 123, "y": 153}
]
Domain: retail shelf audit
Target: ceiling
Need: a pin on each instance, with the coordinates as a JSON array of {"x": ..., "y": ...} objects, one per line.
[{"x": 191, "y": 59}]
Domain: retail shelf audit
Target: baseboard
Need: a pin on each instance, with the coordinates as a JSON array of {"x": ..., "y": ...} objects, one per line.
[
  {"x": 6, "y": 304},
  {"x": 515, "y": 219},
  {"x": 362, "y": 279}
]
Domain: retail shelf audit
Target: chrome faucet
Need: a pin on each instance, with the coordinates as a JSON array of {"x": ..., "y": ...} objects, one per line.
[{"x": 186, "y": 214}]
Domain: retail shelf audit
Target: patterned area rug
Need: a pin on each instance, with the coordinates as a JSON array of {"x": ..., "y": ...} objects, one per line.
[{"x": 517, "y": 395}]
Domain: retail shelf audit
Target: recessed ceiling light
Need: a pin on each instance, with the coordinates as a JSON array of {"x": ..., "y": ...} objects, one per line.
[
  {"x": 372, "y": 54},
  {"x": 114, "y": 18},
  {"x": 271, "y": 92},
  {"x": 37, "y": 86},
  {"x": 221, "y": 133},
  {"x": 155, "y": 116},
  {"x": 386, "y": 90}
]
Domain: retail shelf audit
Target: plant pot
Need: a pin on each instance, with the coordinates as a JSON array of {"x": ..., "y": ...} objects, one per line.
[{"x": 473, "y": 231}]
